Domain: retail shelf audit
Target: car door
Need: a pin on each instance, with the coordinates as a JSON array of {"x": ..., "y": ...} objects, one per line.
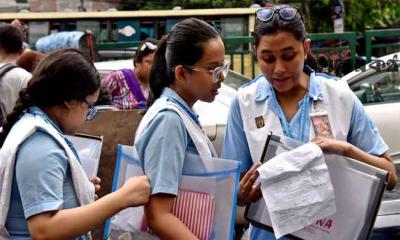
[{"x": 379, "y": 91}]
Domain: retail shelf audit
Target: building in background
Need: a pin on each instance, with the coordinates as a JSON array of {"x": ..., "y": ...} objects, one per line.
[
  {"x": 13, "y": 5},
  {"x": 58, "y": 5},
  {"x": 72, "y": 5}
]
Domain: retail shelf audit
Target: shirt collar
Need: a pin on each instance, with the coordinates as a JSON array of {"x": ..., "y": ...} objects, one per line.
[
  {"x": 39, "y": 112},
  {"x": 173, "y": 96},
  {"x": 265, "y": 89}
]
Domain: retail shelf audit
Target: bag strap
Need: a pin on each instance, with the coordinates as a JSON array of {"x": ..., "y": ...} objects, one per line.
[
  {"x": 133, "y": 84},
  {"x": 5, "y": 68},
  {"x": 199, "y": 138}
]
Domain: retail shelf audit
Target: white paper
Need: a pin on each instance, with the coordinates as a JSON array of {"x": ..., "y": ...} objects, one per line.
[
  {"x": 297, "y": 189},
  {"x": 89, "y": 150}
]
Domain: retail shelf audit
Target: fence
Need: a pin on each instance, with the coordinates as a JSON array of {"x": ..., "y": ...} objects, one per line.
[
  {"x": 383, "y": 41},
  {"x": 333, "y": 53}
]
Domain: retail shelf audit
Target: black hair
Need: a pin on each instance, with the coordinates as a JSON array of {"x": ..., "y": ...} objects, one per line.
[
  {"x": 276, "y": 25},
  {"x": 183, "y": 46},
  {"x": 10, "y": 38},
  {"x": 63, "y": 75},
  {"x": 143, "y": 50}
]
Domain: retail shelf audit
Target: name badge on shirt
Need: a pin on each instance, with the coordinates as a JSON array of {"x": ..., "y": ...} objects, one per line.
[
  {"x": 320, "y": 122},
  {"x": 259, "y": 121}
]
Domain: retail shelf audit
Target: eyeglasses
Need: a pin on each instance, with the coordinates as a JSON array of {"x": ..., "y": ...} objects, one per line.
[
  {"x": 92, "y": 111},
  {"x": 216, "y": 72},
  {"x": 149, "y": 45},
  {"x": 285, "y": 13}
]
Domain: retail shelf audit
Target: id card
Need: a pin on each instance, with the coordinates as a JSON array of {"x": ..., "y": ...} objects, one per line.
[{"x": 321, "y": 124}]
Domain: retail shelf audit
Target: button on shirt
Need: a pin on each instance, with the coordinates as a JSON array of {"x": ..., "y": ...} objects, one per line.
[
  {"x": 363, "y": 132},
  {"x": 164, "y": 144}
]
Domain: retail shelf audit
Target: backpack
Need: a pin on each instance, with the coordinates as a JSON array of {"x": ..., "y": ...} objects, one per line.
[{"x": 3, "y": 70}]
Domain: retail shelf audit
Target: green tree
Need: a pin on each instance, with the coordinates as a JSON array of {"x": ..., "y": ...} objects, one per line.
[{"x": 360, "y": 15}]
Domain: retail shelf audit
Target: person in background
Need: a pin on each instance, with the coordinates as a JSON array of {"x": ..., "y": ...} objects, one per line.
[
  {"x": 45, "y": 193},
  {"x": 29, "y": 60},
  {"x": 281, "y": 100},
  {"x": 23, "y": 27},
  {"x": 129, "y": 88},
  {"x": 12, "y": 78}
]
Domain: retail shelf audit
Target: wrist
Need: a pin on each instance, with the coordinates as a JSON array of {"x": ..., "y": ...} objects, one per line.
[
  {"x": 121, "y": 199},
  {"x": 347, "y": 149}
]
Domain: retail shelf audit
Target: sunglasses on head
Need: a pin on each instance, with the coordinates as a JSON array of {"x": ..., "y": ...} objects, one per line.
[
  {"x": 285, "y": 13},
  {"x": 148, "y": 45}
]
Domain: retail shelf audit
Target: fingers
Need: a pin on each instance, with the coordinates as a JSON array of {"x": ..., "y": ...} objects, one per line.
[
  {"x": 246, "y": 186},
  {"x": 95, "y": 180},
  {"x": 251, "y": 172},
  {"x": 255, "y": 193}
]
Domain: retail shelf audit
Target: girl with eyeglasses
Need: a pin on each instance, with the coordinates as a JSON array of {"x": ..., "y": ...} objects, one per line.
[
  {"x": 45, "y": 193},
  {"x": 129, "y": 88},
  {"x": 188, "y": 66},
  {"x": 285, "y": 100}
]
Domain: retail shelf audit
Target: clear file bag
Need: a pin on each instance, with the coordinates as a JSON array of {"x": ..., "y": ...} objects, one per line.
[{"x": 206, "y": 200}]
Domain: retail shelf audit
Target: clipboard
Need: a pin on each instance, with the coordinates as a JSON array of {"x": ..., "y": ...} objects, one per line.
[
  {"x": 354, "y": 184},
  {"x": 89, "y": 151}
]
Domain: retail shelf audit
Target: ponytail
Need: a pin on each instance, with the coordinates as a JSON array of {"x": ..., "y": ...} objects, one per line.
[
  {"x": 183, "y": 46},
  {"x": 160, "y": 74},
  {"x": 23, "y": 103}
]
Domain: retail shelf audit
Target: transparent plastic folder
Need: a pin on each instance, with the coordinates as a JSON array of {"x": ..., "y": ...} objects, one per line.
[
  {"x": 358, "y": 192},
  {"x": 217, "y": 185},
  {"x": 89, "y": 150}
]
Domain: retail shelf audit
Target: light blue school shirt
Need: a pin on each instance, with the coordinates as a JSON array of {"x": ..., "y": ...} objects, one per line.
[
  {"x": 42, "y": 180},
  {"x": 363, "y": 132},
  {"x": 164, "y": 144}
]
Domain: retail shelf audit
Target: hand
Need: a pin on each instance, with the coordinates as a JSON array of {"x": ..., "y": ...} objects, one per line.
[
  {"x": 248, "y": 192},
  {"x": 135, "y": 191},
  {"x": 332, "y": 146},
  {"x": 96, "y": 182}
]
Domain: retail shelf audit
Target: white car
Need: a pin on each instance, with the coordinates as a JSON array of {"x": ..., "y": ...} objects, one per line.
[{"x": 377, "y": 85}]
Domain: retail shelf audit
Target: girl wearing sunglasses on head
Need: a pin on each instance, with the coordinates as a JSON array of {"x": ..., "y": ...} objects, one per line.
[
  {"x": 45, "y": 193},
  {"x": 129, "y": 88},
  {"x": 189, "y": 66},
  {"x": 283, "y": 100}
]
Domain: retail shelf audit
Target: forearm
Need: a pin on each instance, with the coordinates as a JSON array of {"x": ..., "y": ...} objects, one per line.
[
  {"x": 380, "y": 162},
  {"x": 162, "y": 227},
  {"x": 161, "y": 224},
  {"x": 70, "y": 223}
]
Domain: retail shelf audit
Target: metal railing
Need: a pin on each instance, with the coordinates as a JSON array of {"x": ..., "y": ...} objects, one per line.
[
  {"x": 337, "y": 50},
  {"x": 387, "y": 47}
]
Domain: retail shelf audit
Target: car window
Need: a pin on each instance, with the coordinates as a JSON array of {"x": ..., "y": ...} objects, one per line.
[
  {"x": 379, "y": 87},
  {"x": 235, "y": 80}
]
